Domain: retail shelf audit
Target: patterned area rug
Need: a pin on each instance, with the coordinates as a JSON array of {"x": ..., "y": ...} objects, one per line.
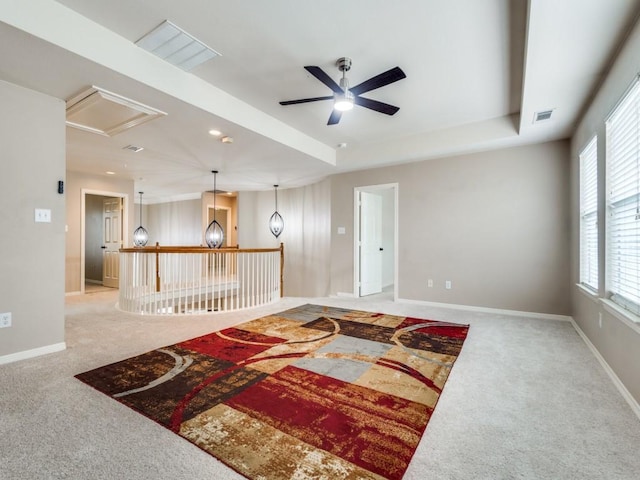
[{"x": 311, "y": 392}]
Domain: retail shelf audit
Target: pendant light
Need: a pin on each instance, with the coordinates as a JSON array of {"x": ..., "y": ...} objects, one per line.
[
  {"x": 214, "y": 235},
  {"x": 276, "y": 223},
  {"x": 140, "y": 235}
]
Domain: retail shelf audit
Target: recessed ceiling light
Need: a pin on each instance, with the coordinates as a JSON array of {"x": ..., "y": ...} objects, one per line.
[
  {"x": 215, "y": 133},
  {"x": 226, "y": 139},
  {"x": 110, "y": 173}
]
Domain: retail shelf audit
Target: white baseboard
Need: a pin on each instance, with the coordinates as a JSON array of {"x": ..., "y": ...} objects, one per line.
[
  {"x": 344, "y": 294},
  {"x": 35, "y": 352},
  {"x": 71, "y": 294},
  {"x": 497, "y": 311},
  {"x": 612, "y": 375}
]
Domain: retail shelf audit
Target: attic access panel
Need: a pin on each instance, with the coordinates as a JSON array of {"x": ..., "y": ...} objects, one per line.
[{"x": 99, "y": 111}]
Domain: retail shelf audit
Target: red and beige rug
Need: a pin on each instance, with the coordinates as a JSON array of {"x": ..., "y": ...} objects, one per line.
[{"x": 311, "y": 392}]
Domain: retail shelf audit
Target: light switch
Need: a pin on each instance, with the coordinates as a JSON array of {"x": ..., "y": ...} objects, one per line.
[
  {"x": 342, "y": 230},
  {"x": 43, "y": 215}
]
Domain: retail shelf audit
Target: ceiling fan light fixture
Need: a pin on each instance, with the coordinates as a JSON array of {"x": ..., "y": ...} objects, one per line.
[
  {"x": 344, "y": 98},
  {"x": 343, "y": 102}
]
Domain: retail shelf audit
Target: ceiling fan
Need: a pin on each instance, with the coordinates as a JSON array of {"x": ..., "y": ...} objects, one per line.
[{"x": 345, "y": 97}]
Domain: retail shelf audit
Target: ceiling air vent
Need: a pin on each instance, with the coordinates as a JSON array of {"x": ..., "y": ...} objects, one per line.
[
  {"x": 176, "y": 46},
  {"x": 542, "y": 116},
  {"x": 133, "y": 148}
]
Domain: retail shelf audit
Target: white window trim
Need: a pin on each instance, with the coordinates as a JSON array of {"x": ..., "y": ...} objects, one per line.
[
  {"x": 588, "y": 205},
  {"x": 624, "y": 194}
]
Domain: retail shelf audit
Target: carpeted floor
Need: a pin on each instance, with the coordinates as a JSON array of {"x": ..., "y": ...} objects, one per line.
[{"x": 526, "y": 400}]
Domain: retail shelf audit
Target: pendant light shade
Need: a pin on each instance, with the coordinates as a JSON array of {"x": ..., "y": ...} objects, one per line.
[
  {"x": 276, "y": 223},
  {"x": 214, "y": 235},
  {"x": 140, "y": 235}
]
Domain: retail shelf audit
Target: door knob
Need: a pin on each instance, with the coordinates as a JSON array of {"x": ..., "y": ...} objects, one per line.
[
  {"x": 381, "y": 249},
  {"x": 103, "y": 246}
]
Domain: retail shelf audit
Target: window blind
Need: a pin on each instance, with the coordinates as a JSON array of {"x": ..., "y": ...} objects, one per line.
[
  {"x": 589, "y": 215},
  {"x": 623, "y": 201}
]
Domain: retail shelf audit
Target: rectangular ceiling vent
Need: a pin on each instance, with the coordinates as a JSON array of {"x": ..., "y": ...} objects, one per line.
[
  {"x": 542, "y": 116},
  {"x": 98, "y": 111},
  {"x": 133, "y": 148},
  {"x": 176, "y": 46}
]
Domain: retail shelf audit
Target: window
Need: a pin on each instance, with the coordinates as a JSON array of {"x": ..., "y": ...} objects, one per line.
[
  {"x": 623, "y": 201},
  {"x": 589, "y": 216}
]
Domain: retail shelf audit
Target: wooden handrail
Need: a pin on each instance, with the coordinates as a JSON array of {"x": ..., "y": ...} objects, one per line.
[
  {"x": 195, "y": 249},
  {"x": 157, "y": 249}
]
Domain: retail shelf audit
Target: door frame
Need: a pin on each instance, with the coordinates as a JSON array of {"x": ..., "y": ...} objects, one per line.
[
  {"x": 356, "y": 234},
  {"x": 125, "y": 223}
]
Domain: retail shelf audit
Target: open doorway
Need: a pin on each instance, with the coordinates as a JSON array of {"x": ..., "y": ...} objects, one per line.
[
  {"x": 375, "y": 240},
  {"x": 103, "y": 230}
]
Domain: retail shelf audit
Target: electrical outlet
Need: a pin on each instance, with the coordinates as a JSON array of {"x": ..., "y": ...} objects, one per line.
[
  {"x": 447, "y": 284},
  {"x": 430, "y": 283},
  {"x": 5, "y": 320}
]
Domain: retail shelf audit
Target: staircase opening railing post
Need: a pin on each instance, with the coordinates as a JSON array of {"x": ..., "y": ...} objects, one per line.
[
  {"x": 157, "y": 266},
  {"x": 281, "y": 269}
]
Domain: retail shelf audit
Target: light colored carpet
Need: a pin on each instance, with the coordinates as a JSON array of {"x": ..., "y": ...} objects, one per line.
[{"x": 525, "y": 400}]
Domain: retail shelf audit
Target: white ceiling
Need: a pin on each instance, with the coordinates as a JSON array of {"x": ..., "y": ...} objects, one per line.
[{"x": 477, "y": 71}]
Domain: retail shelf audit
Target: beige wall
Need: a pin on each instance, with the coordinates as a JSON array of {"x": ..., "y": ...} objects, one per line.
[
  {"x": 617, "y": 341},
  {"x": 95, "y": 184},
  {"x": 172, "y": 223},
  {"x": 32, "y": 138},
  {"x": 306, "y": 235},
  {"x": 495, "y": 223}
]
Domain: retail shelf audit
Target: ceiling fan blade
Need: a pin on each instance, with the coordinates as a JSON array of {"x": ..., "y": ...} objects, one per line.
[
  {"x": 376, "y": 105},
  {"x": 324, "y": 78},
  {"x": 385, "y": 78},
  {"x": 335, "y": 117},
  {"x": 306, "y": 100}
]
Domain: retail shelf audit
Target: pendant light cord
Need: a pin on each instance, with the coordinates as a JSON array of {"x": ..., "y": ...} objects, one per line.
[
  {"x": 140, "y": 207},
  {"x": 215, "y": 173},
  {"x": 276, "y": 187}
]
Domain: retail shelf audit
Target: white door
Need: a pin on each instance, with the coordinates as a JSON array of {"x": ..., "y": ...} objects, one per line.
[
  {"x": 370, "y": 243},
  {"x": 112, "y": 241}
]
